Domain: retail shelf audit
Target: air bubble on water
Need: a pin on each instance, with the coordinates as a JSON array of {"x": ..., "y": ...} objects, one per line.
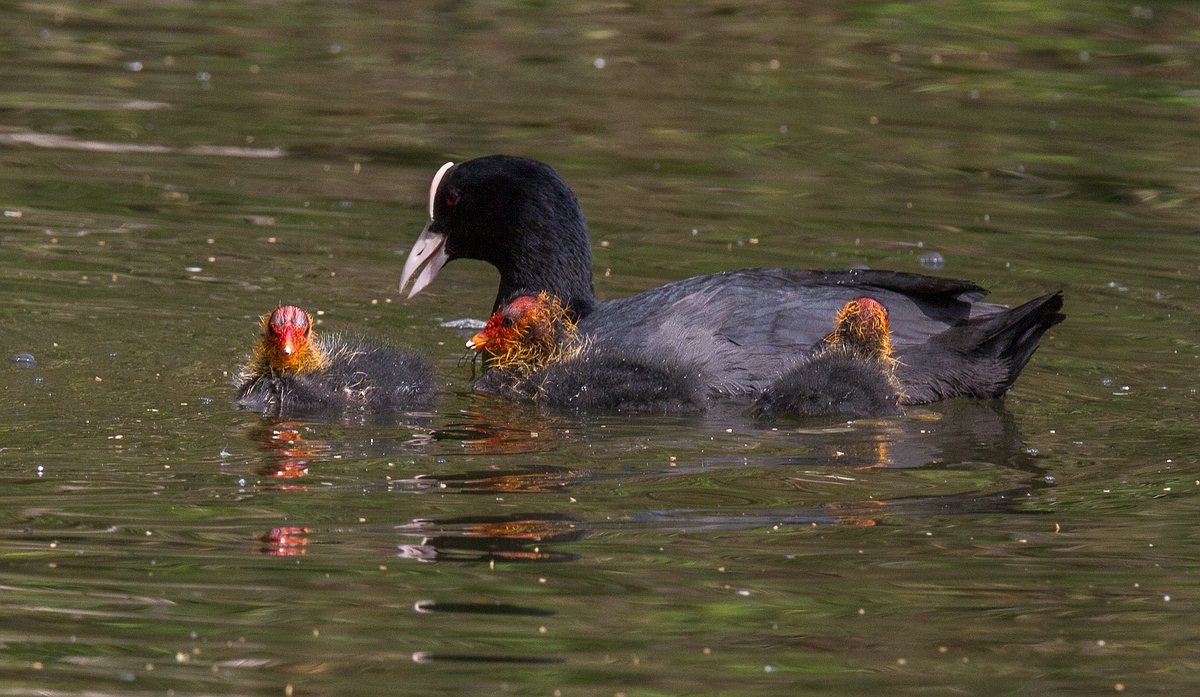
[
  {"x": 932, "y": 260},
  {"x": 23, "y": 359}
]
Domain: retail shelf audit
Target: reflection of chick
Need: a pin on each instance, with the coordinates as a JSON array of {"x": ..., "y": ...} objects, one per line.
[
  {"x": 850, "y": 374},
  {"x": 537, "y": 354},
  {"x": 292, "y": 369}
]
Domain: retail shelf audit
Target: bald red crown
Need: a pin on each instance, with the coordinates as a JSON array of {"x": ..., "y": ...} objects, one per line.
[
  {"x": 506, "y": 325},
  {"x": 288, "y": 331}
]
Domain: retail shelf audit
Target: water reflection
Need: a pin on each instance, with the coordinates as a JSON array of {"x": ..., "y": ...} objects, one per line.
[
  {"x": 518, "y": 538},
  {"x": 531, "y": 480},
  {"x": 950, "y": 433},
  {"x": 285, "y": 542},
  {"x": 863, "y": 513},
  {"x": 495, "y": 608},
  {"x": 289, "y": 453},
  {"x": 954, "y": 433},
  {"x": 288, "y": 448}
]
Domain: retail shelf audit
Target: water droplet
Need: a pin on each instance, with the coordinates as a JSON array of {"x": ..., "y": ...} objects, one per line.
[{"x": 932, "y": 260}]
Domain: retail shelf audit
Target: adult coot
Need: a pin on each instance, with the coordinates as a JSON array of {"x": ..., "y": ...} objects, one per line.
[
  {"x": 291, "y": 370},
  {"x": 740, "y": 328}
]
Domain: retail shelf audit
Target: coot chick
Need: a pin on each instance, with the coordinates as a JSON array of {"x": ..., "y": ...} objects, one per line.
[
  {"x": 851, "y": 374},
  {"x": 735, "y": 327},
  {"x": 537, "y": 354},
  {"x": 291, "y": 370}
]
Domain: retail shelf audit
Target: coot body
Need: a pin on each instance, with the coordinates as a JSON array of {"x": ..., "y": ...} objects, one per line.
[
  {"x": 742, "y": 329},
  {"x": 293, "y": 370}
]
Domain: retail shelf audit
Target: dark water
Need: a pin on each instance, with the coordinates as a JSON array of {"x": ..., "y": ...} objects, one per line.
[{"x": 170, "y": 171}]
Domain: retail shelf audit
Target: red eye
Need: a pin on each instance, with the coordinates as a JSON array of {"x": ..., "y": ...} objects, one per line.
[{"x": 451, "y": 199}]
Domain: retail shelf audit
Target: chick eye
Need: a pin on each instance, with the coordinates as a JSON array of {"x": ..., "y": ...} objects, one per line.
[
  {"x": 451, "y": 199},
  {"x": 507, "y": 322}
]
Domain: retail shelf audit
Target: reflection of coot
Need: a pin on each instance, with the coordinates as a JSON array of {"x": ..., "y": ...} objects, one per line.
[
  {"x": 507, "y": 538},
  {"x": 738, "y": 328},
  {"x": 291, "y": 369}
]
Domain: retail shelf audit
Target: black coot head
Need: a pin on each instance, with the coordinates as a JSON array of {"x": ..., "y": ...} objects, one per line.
[
  {"x": 483, "y": 207},
  {"x": 514, "y": 213}
]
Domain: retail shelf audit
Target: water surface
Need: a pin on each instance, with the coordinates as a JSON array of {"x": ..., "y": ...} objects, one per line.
[{"x": 169, "y": 172}]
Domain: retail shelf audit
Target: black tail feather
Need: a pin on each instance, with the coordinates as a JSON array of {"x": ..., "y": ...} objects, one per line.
[
  {"x": 1014, "y": 335},
  {"x": 981, "y": 357}
]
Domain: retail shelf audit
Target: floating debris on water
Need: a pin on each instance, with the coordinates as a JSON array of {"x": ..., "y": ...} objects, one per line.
[{"x": 465, "y": 323}]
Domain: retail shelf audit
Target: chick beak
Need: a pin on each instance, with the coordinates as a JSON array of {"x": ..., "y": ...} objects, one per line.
[
  {"x": 477, "y": 342},
  {"x": 290, "y": 342}
]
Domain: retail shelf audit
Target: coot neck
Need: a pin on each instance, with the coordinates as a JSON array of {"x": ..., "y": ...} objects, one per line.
[{"x": 552, "y": 257}]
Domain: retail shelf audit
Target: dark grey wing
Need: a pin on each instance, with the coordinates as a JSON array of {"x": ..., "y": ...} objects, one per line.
[{"x": 746, "y": 327}]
